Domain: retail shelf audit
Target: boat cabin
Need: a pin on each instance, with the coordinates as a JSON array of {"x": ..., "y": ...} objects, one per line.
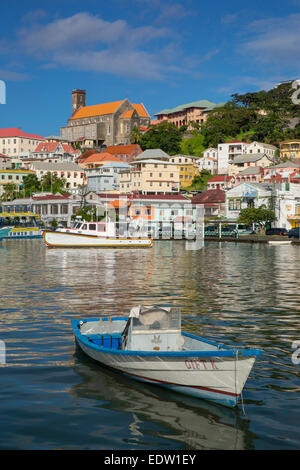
[
  {"x": 153, "y": 329},
  {"x": 100, "y": 229}
]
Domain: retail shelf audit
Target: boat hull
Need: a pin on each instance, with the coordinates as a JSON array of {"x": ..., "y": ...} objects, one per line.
[
  {"x": 4, "y": 232},
  {"x": 73, "y": 240},
  {"x": 22, "y": 233},
  {"x": 216, "y": 376}
]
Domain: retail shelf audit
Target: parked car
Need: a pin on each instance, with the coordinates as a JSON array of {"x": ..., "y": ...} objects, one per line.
[
  {"x": 277, "y": 231},
  {"x": 294, "y": 232}
]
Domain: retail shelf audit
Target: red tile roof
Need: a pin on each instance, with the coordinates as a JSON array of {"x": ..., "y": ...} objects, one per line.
[
  {"x": 101, "y": 157},
  {"x": 15, "y": 132},
  {"x": 52, "y": 146},
  {"x": 217, "y": 178},
  {"x": 122, "y": 149},
  {"x": 211, "y": 196}
]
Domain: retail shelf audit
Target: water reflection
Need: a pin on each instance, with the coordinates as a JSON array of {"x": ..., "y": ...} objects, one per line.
[
  {"x": 194, "y": 424},
  {"x": 235, "y": 293}
]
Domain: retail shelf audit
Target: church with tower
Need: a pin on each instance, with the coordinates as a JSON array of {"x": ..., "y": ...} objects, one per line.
[{"x": 101, "y": 125}]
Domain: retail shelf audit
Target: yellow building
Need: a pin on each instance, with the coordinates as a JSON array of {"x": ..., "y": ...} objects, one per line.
[
  {"x": 150, "y": 176},
  {"x": 13, "y": 177},
  {"x": 188, "y": 168},
  {"x": 290, "y": 149}
]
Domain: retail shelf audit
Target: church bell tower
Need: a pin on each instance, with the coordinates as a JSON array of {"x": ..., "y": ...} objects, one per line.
[{"x": 78, "y": 100}]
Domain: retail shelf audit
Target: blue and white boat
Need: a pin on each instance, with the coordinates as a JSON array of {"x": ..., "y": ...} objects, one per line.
[
  {"x": 149, "y": 346},
  {"x": 4, "y": 231}
]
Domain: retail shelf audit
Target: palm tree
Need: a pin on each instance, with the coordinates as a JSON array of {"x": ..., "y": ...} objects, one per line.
[{"x": 10, "y": 191}]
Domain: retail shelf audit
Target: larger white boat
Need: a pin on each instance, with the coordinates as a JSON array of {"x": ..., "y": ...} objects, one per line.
[
  {"x": 93, "y": 235},
  {"x": 149, "y": 346}
]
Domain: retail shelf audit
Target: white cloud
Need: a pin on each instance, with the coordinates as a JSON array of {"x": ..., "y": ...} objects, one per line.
[
  {"x": 275, "y": 40},
  {"x": 12, "y": 76},
  {"x": 89, "y": 43}
]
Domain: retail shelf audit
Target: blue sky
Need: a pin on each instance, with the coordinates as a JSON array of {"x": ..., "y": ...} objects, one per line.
[{"x": 159, "y": 52}]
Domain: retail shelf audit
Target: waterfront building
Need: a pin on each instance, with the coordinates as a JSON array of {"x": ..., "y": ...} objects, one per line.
[
  {"x": 282, "y": 198},
  {"x": 213, "y": 201},
  {"x": 241, "y": 162},
  {"x": 141, "y": 208},
  {"x": 150, "y": 176},
  {"x": 184, "y": 114},
  {"x": 247, "y": 195},
  {"x": 13, "y": 176},
  {"x": 104, "y": 124},
  {"x": 49, "y": 207},
  {"x": 73, "y": 174},
  {"x": 126, "y": 153},
  {"x": 105, "y": 177},
  {"x": 290, "y": 149},
  {"x": 16, "y": 143}
]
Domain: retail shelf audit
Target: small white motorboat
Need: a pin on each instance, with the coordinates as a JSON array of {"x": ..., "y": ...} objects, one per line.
[
  {"x": 149, "y": 346},
  {"x": 93, "y": 235},
  {"x": 279, "y": 242}
]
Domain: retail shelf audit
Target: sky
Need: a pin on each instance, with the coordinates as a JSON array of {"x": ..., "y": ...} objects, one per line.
[{"x": 161, "y": 53}]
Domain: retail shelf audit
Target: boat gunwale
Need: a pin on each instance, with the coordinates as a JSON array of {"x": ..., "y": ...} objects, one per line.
[
  {"x": 226, "y": 351},
  {"x": 96, "y": 236}
]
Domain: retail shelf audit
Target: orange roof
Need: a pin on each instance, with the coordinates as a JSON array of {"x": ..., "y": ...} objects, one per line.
[
  {"x": 120, "y": 149},
  {"x": 96, "y": 110},
  {"x": 102, "y": 157},
  {"x": 140, "y": 110},
  {"x": 128, "y": 114}
]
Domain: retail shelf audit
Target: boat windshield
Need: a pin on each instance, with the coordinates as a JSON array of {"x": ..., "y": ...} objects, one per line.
[{"x": 157, "y": 318}]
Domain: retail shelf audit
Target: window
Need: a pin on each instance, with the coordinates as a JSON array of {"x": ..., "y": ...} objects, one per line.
[
  {"x": 84, "y": 227},
  {"x": 92, "y": 226},
  {"x": 171, "y": 175},
  {"x": 148, "y": 211}
]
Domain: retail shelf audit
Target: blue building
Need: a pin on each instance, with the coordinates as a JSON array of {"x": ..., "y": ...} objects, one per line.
[{"x": 106, "y": 177}]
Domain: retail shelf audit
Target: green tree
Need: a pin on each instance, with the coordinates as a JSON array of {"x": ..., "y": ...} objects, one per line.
[
  {"x": 30, "y": 185},
  {"x": 10, "y": 191},
  {"x": 256, "y": 215},
  {"x": 135, "y": 136},
  {"x": 51, "y": 183},
  {"x": 224, "y": 123},
  {"x": 165, "y": 136}
]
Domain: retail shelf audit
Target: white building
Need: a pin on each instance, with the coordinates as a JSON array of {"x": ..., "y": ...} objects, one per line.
[
  {"x": 261, "y": 147},
  {"x": 228, "y": 151},
  {"x": 16, "y": 143},
  {"x": 208, "y": 163},
  {"x": 282, "y": 198},
  {"x": 73, "y": 174}
]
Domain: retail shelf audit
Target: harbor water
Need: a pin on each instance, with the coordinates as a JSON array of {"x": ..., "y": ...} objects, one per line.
[{"x": 53, "y": 397}]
